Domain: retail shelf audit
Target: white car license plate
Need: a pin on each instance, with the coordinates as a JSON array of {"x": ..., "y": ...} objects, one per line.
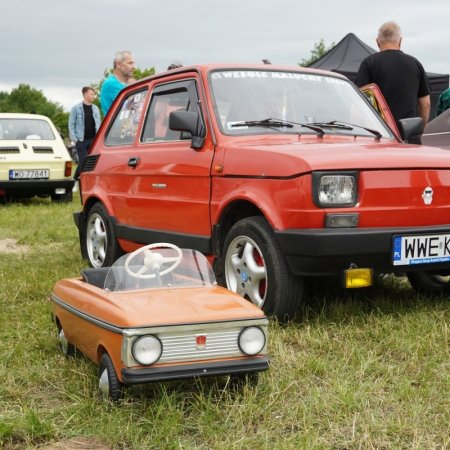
[
  {"x": 28, "y": 174},
  {"x": 421, "y": 249}
]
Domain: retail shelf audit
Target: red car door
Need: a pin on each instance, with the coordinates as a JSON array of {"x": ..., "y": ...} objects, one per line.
[{"x": 170, "y": 184}]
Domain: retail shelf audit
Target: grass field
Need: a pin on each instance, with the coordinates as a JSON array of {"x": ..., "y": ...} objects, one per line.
[{"x": 369, "y": 369}]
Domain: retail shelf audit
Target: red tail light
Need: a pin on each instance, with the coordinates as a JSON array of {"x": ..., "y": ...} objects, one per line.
[{"x": 68, "y": 169}]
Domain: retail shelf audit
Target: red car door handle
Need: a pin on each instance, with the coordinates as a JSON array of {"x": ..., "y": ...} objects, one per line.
[{"x": 133, "y": 162}]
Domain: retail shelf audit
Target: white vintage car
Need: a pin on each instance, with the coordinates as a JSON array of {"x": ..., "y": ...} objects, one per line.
[{"x": 33, "y": 158}]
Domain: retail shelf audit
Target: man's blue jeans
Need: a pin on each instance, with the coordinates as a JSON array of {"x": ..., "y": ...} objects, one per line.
[{"x": 82, "y": 151}]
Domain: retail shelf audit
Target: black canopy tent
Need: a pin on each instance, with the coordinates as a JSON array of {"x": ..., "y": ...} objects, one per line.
[{"x": 346, "y": 56}]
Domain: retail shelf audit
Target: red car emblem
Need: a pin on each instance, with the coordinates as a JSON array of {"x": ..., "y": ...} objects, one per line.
[
  {"x": 427, "y": 195},
  {"x": 200, "y": 341}
]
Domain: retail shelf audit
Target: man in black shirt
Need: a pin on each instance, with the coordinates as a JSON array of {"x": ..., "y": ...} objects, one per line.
[
  {"x": 84, "y": 122},
  {"x": 400, "y": 77}
]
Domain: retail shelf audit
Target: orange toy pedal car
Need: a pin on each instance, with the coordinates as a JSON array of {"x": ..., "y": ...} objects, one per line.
[{"x": 157, "y": 314}]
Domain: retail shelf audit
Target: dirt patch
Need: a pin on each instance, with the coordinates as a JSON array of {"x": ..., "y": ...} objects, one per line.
[
  {"x": 77, "y": 443},
  {"x": 11, "y": 246}
]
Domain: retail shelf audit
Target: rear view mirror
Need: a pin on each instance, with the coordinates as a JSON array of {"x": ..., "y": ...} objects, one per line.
[
  {"x": 411, "y": 129},
  {"x": 188, "y": 121}
]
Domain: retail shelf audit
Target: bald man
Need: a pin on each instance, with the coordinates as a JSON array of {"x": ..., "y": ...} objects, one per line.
[{"x": 401, "y": 77}]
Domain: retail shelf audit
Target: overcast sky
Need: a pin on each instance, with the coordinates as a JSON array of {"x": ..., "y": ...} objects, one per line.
[{"x": 58, "y": 46}]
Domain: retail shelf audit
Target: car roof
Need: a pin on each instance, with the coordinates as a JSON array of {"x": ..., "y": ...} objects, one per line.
[
  {"x": 205, "y": 68},
  {"x": 23, "y": 116}
]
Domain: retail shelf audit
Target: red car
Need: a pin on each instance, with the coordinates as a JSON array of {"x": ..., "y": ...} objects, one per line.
[{"x": 275, "y": 173}]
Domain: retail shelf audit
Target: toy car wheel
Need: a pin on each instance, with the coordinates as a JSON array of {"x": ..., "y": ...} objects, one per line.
[
  {"x": 254, "y": 267},
  {"x": 429, "y": 282},
  {"x": 110, "y": 386},
  {"x": 66, "y": 347},
  {"x": 100, "y": 243}
]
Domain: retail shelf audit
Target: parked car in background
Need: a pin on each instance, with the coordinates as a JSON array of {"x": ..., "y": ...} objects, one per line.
[
  {"x": 157, "y": 314},
  {"x": 276, "y": 173},
  {"x": 437, "y": 131},
  {"x": 33, "y": 158}
]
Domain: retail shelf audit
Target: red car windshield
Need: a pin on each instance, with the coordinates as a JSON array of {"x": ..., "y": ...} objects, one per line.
[{"x": 256, "y": 102}]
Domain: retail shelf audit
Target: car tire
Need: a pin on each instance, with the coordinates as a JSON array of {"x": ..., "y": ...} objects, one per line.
[
  {"x": 429, "y": 283},
  {"x": 253, "y": 265},
  {"x": 67, "y": 349},
  {"x": 99, "y": 241},
  {"x": 110, "y": 387}
]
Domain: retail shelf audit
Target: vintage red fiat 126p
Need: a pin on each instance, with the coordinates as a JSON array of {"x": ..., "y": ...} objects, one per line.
[{"x": 276, "y": 173}]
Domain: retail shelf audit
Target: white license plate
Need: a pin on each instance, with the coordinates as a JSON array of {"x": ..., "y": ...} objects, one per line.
[
  {"x": 28, "y": 174},
  {"x": 421, "y": 249}
]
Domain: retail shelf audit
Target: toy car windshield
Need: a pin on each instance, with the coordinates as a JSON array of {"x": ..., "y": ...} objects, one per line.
[{"x": 159, "y": 266}]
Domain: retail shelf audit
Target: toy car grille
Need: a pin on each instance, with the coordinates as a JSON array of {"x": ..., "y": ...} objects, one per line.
[{"x": 184, "y": 347}]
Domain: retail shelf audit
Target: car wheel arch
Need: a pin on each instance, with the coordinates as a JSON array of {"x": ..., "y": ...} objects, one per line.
[
  {"x": 101, "y": 350},
  {"x": 230, "y": 214}
]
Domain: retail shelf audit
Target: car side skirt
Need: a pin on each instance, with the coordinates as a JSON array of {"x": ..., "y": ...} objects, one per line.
[
  {"x": 149, "y": 236},
  {"x": 178, "y": 372}
]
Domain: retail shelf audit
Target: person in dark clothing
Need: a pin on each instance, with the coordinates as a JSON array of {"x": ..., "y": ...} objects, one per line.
[
  {"x": 400, "y": 77},
  {"x": 84, "y": 122}
]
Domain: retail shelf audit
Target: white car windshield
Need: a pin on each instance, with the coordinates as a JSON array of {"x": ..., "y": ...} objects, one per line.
[
  {"x": 19, "y": 129},
  {"x": 261, "y": 102},
  {"x": 159, "y": 268}
]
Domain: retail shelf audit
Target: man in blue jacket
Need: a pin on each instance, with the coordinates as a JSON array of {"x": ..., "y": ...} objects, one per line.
[
  {"x": 84, "y": 122},
  {"x": 123, "y": 68}
]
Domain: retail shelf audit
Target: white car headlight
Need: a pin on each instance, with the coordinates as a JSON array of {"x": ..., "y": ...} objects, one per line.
[
  {"x": 147, "y": 350},
  {"x": 336, "y": 190},
  {"x": 251, "y": 340}
]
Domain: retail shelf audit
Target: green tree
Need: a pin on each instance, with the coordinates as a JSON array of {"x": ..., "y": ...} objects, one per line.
[
  {"x": 26, "y": 99},
  {"x": 320, "y": 48}
]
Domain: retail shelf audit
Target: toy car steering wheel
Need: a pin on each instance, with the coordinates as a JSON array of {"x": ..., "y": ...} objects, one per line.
[{"x": 153, "y": 261}]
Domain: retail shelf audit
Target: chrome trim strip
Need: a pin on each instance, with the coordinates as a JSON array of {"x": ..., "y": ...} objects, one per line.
[
  {"x": 442, "y": 133},
  {"x": 195, "y": 326},
  {"x": 82, "y": 315}
]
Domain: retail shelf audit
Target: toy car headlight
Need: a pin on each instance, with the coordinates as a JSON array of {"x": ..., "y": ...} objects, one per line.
[
  {"x": 335, "y": 189},
  {"x": 251, "y": 340},
  {"x": 147, "y": 350}
]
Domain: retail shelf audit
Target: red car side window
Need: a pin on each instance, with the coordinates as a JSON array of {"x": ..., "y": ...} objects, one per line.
[{"x": 124, "y": 126}]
